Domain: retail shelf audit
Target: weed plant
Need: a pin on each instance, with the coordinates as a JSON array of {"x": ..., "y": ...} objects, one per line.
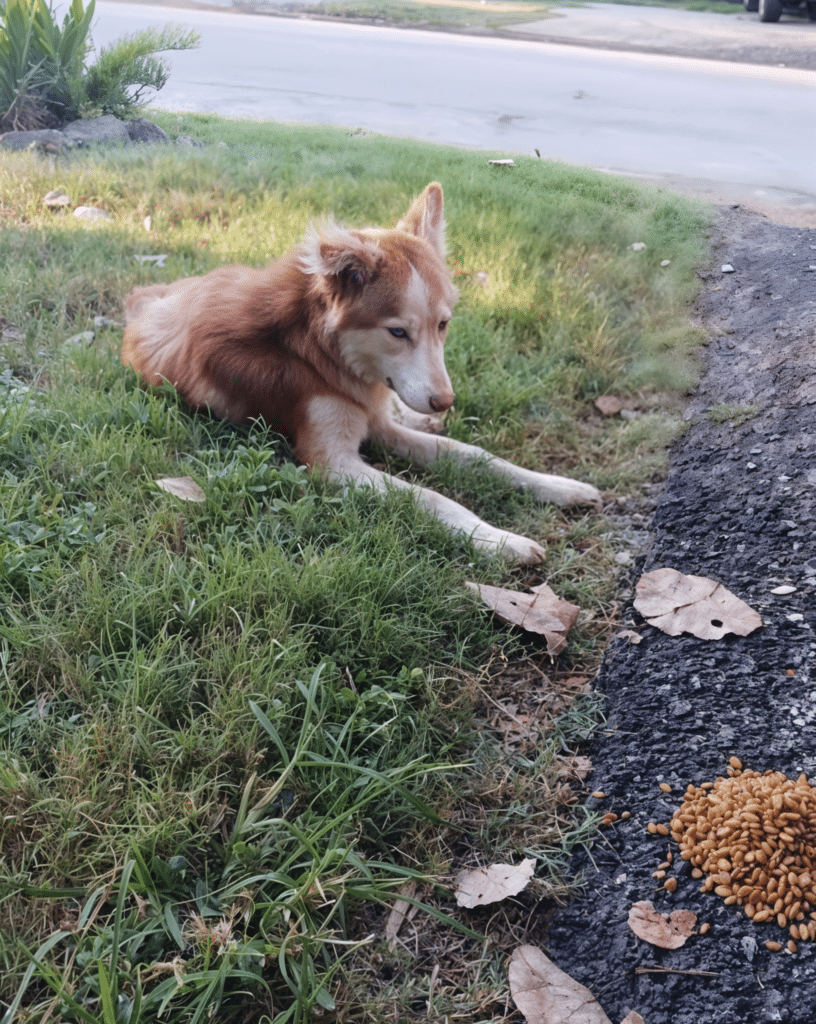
[{"x": 230, "y": 729}]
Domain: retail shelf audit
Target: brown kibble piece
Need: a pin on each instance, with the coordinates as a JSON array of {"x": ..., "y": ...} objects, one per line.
[
  {"x": 626, "y": 815},
  {"x": 665, "y": 787},
  {"x": 599, "y": 794},
  {"x": 773, "y": 946},
  {"x": 792, "y": 945},
  {"x": 704, "y": 928},
  {"x": 670, "y": 884}
]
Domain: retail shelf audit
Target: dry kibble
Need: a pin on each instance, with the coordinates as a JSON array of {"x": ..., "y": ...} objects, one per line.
[
  {"x": 665, "y": 787},
  {"x": 751, "y": 837},
  {"x": 626, "y": 815},
  {"x": 791, "y": 945},
  {"x": 599, "y": 794},
  {"x": 773, "y": 946},
  {"x": 704, "y": 928},
  {"x": 670, "y": 884}
]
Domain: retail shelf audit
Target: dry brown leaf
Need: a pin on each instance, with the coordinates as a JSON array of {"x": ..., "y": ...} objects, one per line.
[
  {"x": 669, "y": 931},
  {"x": 679, "y": 604},
  {"x": 398, "y": 914},
  {"x": 479, "y": 886},
  {"x": 630, "y": 635},
  {"x": 546, "y": 995},
  {"x": 609, "y": 405},
  {"x": 633, "y": 1017},
  {"x": 182, "y": 487},
  {"x": 541, "y": 612}
]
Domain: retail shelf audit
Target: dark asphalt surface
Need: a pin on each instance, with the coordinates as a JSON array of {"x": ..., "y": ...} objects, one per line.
[{"x": 739, "y": 505}]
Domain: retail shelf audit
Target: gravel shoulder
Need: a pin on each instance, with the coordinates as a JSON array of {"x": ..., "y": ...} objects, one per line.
[{"x": 739, "y": 505}]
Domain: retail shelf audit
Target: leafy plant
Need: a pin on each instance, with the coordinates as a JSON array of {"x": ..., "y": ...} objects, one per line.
[
  {"x": 124, "y": 71},
  {"x": 44, "y": 76}
]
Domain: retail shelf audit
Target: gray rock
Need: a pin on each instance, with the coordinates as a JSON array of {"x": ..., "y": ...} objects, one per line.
[
  {"x": 47, "y": 140},
  {"x": 91, "y": 213},
  {"x": 95, "y": 130},
  {"x": 142, "y": 130},
  {"x": 56, "y": 198},
  {"x": 188, "y": 140}
]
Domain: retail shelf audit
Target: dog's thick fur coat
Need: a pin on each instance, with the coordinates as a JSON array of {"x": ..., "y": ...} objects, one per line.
[{"x": 318, "y": 343}]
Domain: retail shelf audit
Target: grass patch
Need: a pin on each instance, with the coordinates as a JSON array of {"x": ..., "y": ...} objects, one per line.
[{"x": 231, "y": 732}]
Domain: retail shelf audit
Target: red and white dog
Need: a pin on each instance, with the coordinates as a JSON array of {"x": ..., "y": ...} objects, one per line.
[{"x": 318, "y": 343}]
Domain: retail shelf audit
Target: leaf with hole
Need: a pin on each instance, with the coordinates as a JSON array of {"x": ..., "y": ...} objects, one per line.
[{"x": 676, "y": 603}]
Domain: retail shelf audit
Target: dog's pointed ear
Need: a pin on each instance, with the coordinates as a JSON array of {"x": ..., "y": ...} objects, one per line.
[
  {"x": 343, "y": 257},
  {"x": 426, "y": 217}
]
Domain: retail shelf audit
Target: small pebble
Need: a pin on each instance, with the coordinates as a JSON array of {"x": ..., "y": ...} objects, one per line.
[{"x": 727, "y": 268}]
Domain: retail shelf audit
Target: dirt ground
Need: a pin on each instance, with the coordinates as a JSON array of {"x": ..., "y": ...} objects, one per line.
[{"x": 739, "y": 505}]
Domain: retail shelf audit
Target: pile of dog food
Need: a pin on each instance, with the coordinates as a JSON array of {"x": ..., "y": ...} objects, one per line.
[{"x": 752, "y": 838}]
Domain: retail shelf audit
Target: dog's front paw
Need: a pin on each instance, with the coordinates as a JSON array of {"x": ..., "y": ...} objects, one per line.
[
  {"x": 563, "y": 491},
  {"x": 511, "y": 546}
]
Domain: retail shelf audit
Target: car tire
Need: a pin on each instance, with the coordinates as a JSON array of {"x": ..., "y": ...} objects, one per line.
[
  {"x": 751, "y": 5},
  {"x": 770, "y": 10}
]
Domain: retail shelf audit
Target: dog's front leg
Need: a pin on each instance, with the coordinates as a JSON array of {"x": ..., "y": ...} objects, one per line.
[
  {"x": 426, "y": 448},
  {"x": 455, "y": 516},
  {"x": 330, "y": 440}
]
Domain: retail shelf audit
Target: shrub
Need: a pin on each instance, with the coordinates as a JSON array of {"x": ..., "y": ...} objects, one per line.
[{"x": 45, "y": 79}]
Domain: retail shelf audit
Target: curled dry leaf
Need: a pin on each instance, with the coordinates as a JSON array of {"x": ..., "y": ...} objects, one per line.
[
  {"x": 489, "y": 885},
  {"x": 679, "y": 604},
  {"x": 398, "y": 913},
  {"x": 669, "y": 931},
  {"x": 546, "y": 995},
  {"x": 182, "y": 487},
  {"x": 542, "y": 612}
]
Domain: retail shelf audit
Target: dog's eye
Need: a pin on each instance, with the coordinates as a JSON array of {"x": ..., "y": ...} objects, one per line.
[
  {"x": 398, "y": 332},
  {"x": 443, "y": 325}
]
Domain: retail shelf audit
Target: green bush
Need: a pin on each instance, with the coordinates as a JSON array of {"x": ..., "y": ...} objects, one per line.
[{"x": 45, "y": 79}]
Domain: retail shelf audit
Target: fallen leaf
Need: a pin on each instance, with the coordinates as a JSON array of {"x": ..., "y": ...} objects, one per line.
[
  {"x": 576, "y": 765},
  {"x": 480, "y": 886},
  {"x": 633, "y": 1017},
  {"x": 182, "y": 487},
  {"x": 398, "y": 914},
  {"x": 630, "y": 635},
  {"x": 679, "y": 604},
  {"x": 540, "y": 612},
  {"x": 669, "y": 931},
  {"x": 609, "y": 405},
  {"x": 546, "y": 995}
]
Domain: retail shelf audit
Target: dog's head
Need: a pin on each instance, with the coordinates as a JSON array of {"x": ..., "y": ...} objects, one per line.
[{"x": 389, "y": 299}]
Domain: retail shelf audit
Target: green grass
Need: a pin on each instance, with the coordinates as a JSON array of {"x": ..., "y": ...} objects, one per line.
[
  {"x": 231, "y": 731},
  {"x": 496, "y": 15}
]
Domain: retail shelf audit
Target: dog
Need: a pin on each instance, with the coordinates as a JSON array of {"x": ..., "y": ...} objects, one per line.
[{"x": 320, "y": 344}]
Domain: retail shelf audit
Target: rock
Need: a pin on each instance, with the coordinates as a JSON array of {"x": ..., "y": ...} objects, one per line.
[
  {"x": 727, "y": 268},
  {"x": 56, "y": 199},
  {"x": 96, "y": 130},
  {"x": 91, "y": 213},
  {"x": 47, "y": 140},
  {"x": 188, "y": 140},
  {"x": 142, "y": 130},
  {"x": 637, "y": 246}
]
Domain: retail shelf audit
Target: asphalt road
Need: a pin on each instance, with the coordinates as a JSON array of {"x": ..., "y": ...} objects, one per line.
[{"x": 718, "y": 128}]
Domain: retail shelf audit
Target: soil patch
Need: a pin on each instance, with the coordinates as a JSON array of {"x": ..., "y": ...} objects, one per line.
[{"x": 739, "y": 505}]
